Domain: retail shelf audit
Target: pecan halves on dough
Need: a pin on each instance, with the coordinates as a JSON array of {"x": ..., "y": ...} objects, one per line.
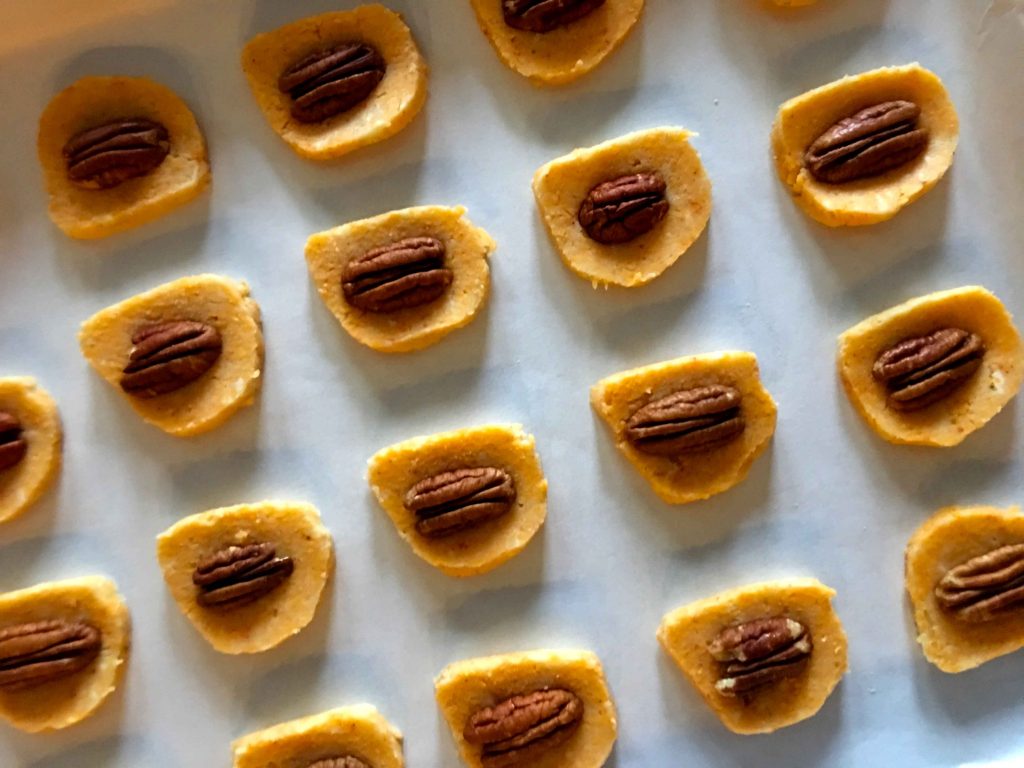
[
  {"x": 403, "y": 274},
  {"x": 13, "y": 445},
  {"x": 758, "y": 653},
  {"x": 239, "y": 575},
  {"x": 167, "y": 356},
  {"x": 517, "y": 731},
  {"x": 40, "y": 652},
  {"x": 546, "y": 15},
  {"x": 623, "y": 209},
  {"x": 110, "y": 154},
  {"x": 687, "y": 421},
  {"x": 922, "y": 370},
  {"x": 328, "y": 82},
  {"x": 867, "y": 144},
  {"x": 455, "y": 500},
  {"x": 986, "y": 587}
]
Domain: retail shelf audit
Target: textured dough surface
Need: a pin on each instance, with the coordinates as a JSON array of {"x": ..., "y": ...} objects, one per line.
[
  {"x": 24, "y": 483},
  {"x": 394, "y": 470},
  {"x": 395, "y": 101},
  {"x": 66, "y": 701},
  {"x": 465, "y": 687},
  {"x": 405, "y": 330},
  {"x": 690, "y": 477},
  {"x": 803, "y": 119},
  {"x": 92, "y": 101},
  {"x": 358, "y": 731},
  {"x": 950, "y": 537},
  {"x": 564, "y": 54},
  {"x": 685, "y": 633},
  {"x": 563, "y": 184},
  {"x": 296, "y": 531},
  {"x": 207, "y": 402},
  {"x": 967, "y": 408}
]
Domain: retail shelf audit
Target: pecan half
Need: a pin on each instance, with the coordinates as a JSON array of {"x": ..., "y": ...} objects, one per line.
[
  {"x": 922, "y": 370},
  {"x": 403, "y": 274},
  {"x": 238, "y": 575},
  {"x": 515, "y": 732},
  {"x": 986, "y": 587},
  {"x": 12, "y": 440},
  {"x": 546, "y": 15},
  {"x": 167, "y": 356},
  {"x": 869, "y": 143},
  {"x": 453, "y": 501},
  {"x": 339, "y": 762},
  {"x": 622, "y": 209},
  {"x": 112, "y": 153},
  {"x": 760, "y": 652},
  {"x": 687, "y": 421},
  {"x": 328, "y": 82},
  {"x": 43, "y": 651}
]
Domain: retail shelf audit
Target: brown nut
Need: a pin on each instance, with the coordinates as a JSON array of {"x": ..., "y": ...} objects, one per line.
[
  {"x": 453, "y": 501},
  {"x": 403, "y": 274},
  {"x": 869, "y": 143},
  {"x": 687, "y": 421},
  {"x": 515, "y": 732},
  {"x": 13, "y": 445},
  {"x": 238, "y": 575},
  {"x": 986, "y": 587},
  {"x": 169, "y": 355},
  {"x": 760, "y": 652},
  {"x": 40, "y": 652},
  {"x": 110, "y": 154},
  {"x": 328, "y": 82},
  {"x": 922, "y": 370},
  {"x": 623, "y": 209},
  {"x": 546, "y": 15}
]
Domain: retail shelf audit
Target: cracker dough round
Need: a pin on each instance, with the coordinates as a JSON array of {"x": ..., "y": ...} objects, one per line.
[
  {"x": 396, "y": 100},
  {"x": 564, "y": 54},
  {"x": 963, "y": 411},
  {"x": 25, "y": 482},
  {"x": 803, "y": 119},
  {"x": 358, "y": 731},
  {"x": 468, "y": 248},
  {"x": 949, "y": 538},
  {"x": 562, "y": 185},
  {"x": 685, "y": 633},
  {"x": 394, "y": 470},
  {"x": 207, "y": 402},
  {"x": 690, "y": 477},
  {"x": 296, "y": 531},
  {"x": 66, "y": 701},
  {"x": 92, "y": 213},
  {"x": 465, "y": 687}
]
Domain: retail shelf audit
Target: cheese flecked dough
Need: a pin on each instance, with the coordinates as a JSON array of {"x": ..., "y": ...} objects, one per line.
[
  {"x": 465, "y": 687},
  {"x": 394, "y": 470},
  {"x": 563, "y": 54},
  {"x": 22, "y": 484},
  {"x": 467, "y": 249},
  {"x": 686, "y": 632},
  {"x": 68, "y": 700},
  {"x": 392, "y": 105},
  {"x": 804, "y": 118},
  {"x": 232, "y": 382},
  {"x": 92, "y": 101},
  {"x": 295, "y": 530},
  {"x": 358, "y": 731},
  {"x": 562, "y": 185},
  {"x": 967, "y": 408},
  {"x": 950, "y": 538},
  {"x": 690, "y": 476}
]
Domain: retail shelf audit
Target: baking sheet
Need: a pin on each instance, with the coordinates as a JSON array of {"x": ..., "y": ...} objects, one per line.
[{"x": 829, "y": 499}]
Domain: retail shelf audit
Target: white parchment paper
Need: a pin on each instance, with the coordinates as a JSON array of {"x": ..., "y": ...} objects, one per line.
[{"x": 829, "y": 499}]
